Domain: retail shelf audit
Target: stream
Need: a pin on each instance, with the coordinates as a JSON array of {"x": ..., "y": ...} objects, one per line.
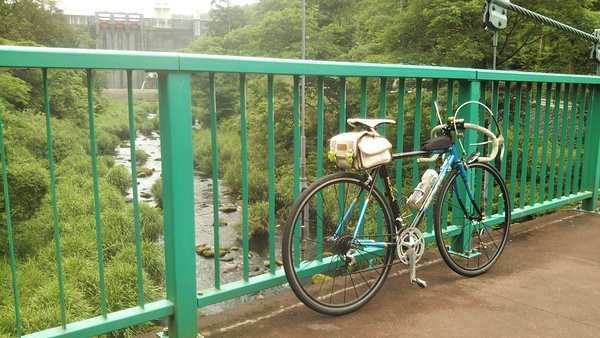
[{"x": 231, "y": 271}]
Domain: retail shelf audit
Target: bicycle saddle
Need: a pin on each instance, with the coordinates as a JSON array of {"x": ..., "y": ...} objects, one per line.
[
  {"x": 371, "y": 123},
  {"x": 439, "y": 143}
]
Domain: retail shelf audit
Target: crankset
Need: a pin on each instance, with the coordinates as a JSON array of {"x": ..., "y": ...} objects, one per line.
[{"x": 410, "y": 245}]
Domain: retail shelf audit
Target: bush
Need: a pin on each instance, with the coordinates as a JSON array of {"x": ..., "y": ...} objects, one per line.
[
  {"x": 258, "y": 219},
  {"x": 120, "y": 178},
  {"x": 156, "y": 191},
  {"x": 140, "y": 156},
  {"x": 28, "y": 183},
  {"x": 147, "y": 127},
  {"x": 106, "y": 143},
  {"x": 151, "y": 222}
]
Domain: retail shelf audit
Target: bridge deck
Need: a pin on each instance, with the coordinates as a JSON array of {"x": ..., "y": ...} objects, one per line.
[{"x": 545, "y": 284}]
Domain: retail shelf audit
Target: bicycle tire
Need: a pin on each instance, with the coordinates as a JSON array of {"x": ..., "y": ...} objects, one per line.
[
  {"x": 487, "y": 228},
  {"x": 322, "y": 278}
]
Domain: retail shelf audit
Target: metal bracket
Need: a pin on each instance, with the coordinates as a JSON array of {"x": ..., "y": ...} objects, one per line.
[
  {"x": 494, "y": 16},
  {"x": 595, "y": 55}
]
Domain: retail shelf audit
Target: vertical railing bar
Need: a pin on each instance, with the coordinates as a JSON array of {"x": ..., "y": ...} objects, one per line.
[
  {"x": 215, "y": 177},
  {"x": 417, "y": 131},
  {"x": 363, "y": 97},
  {"x": 494, "y": 127},
  {"x": 136, "y": 206},
  {"x": 505, "y": 124},
  {"x": 555, "y": 131},
  {"x": 515, "y": 144},
  {"x": 90, "y": 89},
  {"x": 245, "y": 206},
  {"x": 536, "y": 143},
  {"x": 382, "y": 115},
  {"x": 526, "y": 135},
  {"x": 271, "y": 165},
  {"x": 11, "y": 245},
  {"x": 578, "y": 147},
  {"x": 450, "y": 103},
  {"x": 571, "y": 144},
  {"x": 382, "y": 101},
  {"x": 545, "y": 136},
  {"x": 563, "y": 141},
  {"x": 319, "y": 157},
  {"x": 433, "y": 122},
  {"x": 434, "y": 98},
  {"x": 342, "y": 104},
  {"x": 297, "y": 125},
  {"x": 320, "y": 123},
  {"x": 61, "y": 288},
  {"x": 400, "y": 132}
]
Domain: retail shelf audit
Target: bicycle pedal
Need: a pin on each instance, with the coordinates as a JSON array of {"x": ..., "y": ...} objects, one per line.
[{"x": 419, "y": 282}]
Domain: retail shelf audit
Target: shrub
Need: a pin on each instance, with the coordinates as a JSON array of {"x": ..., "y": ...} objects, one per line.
[
  {"x": 140, "y": 156},
  {"x": 120, "y": 178},
  {"x": 156, "y": 191},
  {"x": 106, "y": 143},
  {"x": 28, "y": 183},
  {"x": 258, "y": 219},
  {"x": 151, "y": 222}
]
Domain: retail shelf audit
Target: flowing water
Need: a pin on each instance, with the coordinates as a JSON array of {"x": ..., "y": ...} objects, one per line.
[{"x": 203, "y": 201}]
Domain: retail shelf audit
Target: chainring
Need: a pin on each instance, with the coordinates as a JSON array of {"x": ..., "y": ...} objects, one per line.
[{"x": 410, "y": 237}]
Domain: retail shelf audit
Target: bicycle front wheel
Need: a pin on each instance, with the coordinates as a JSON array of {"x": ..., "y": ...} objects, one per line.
[
  {"x": 472, "y": 219},
  {"x": 331, "y": 266}
]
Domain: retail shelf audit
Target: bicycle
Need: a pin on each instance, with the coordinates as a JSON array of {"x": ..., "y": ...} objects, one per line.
[{"x": 338, "y": 248}]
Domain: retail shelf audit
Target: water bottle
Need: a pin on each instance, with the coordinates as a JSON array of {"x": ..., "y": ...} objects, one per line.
[{"x": 417, "y": 198}]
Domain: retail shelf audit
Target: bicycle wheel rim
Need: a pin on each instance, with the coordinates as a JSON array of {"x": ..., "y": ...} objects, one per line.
[
  {"x": 471, "y": 242},
  {"x": 316, "y": 265}
]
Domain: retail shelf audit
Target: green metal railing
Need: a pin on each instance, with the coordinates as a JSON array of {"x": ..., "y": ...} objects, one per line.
[{"x": 552, "y": 159}]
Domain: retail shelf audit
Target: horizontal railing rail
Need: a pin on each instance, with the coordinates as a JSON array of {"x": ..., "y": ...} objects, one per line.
[{"x": 254, "y": 105}]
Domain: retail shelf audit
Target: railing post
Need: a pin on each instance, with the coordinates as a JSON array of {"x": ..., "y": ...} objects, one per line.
[
  {"x": 178, "y": 201},
  {"x": 591, "y": 152}
]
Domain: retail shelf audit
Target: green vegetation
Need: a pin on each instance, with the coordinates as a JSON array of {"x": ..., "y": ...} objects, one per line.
[
  {"x": 39, "y": 23},
  {"x": 385, "y": 31}
]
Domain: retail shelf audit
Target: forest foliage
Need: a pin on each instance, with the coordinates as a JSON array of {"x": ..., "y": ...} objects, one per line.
[{"x": 432, "y": 32}]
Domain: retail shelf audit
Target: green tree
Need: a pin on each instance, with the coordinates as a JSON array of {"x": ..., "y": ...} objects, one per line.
[{"x": 225, "y": 17}]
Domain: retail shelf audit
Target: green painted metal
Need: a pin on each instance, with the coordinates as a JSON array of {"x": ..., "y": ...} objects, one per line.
[
  {"x": 400, "y": 133},
  {"x": 320, "y": 124},
  {"x": 41, "y": 57},
  {"x": 526, "y": 137},
  {"x": 555, "y": 131},
  {"x": 178, "y": 201},
  {"x": 571, "y": 141},
  {"x": 563, "y": 141},
  {"x": 90, "y": 88},
  {"x": 214, "y": 137},
  {"x": 516, "y": 121},
  {"x": 416, "y": 176},
  {"x": 9, "y": 229},
  {"x": 59, "y": 269},
  {"x": 134, "y": 188},
  {"x": 245, "y": 206},
  {"x": 120, "y": 319},
  {"x": 363, "y": 97},
  {"x": 536, "y": 140},
  {"x": 545, "y": 145},
  {"x": 271, "y": 155},
  {"x": 579, "y": 145},
  {"x": 182, "y": 300},
  {"x": 297, "y": 123},
  {"x": 591, "y": 164},
  {"x": 342, "y": 119}
]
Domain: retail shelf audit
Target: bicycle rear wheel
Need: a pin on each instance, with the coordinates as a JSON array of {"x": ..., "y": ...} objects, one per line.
[
  {"x": 471, "y": 232},
  {"x": 333, "y": 273}
]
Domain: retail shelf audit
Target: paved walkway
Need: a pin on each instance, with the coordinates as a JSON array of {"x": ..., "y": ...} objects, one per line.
[{"x": 546, "y": 284}]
